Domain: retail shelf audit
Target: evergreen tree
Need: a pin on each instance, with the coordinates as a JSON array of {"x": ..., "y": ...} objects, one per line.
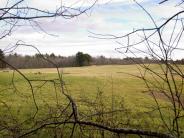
[
  {"x": 83, "y": 59},
  {"x": 2, "y": 64}
]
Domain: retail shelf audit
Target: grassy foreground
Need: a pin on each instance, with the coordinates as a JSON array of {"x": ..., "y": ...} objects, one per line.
[{"x": 94, "y": 89}]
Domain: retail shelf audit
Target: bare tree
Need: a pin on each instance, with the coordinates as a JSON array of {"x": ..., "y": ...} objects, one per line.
[{"x": 160, "y": 43}]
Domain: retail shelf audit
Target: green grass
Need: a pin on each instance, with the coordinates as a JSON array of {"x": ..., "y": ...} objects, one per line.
[{"x": 83, "y": 83}]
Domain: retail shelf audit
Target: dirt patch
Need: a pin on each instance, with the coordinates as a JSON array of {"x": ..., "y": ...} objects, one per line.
[{"x": 167, "y": 97}]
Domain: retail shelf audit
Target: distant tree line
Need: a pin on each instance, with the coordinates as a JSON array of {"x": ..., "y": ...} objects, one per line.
[{"x": 80, "y": 59}]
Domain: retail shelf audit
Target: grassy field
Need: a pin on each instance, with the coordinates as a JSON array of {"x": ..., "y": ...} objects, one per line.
[
  {"x": 108, "y": 86},
  {"x": 87, "y": 81}
]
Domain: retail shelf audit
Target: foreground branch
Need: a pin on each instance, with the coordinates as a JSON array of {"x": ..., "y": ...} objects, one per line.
[{"x": 100, "y": 126}]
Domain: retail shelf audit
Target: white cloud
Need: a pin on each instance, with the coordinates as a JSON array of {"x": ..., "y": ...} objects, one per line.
[
  {"x": 115, "y": 17},
  {"x": 53, "y": 4}
]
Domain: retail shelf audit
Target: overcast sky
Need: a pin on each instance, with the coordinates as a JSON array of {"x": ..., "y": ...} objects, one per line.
[{"x": 68, "y": 36}]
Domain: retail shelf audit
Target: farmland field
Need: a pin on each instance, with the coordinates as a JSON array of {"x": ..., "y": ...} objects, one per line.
[{"x": 94, "y": 89}]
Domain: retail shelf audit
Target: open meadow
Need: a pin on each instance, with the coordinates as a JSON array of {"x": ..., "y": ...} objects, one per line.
[{"x": 105, "y": 94}]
